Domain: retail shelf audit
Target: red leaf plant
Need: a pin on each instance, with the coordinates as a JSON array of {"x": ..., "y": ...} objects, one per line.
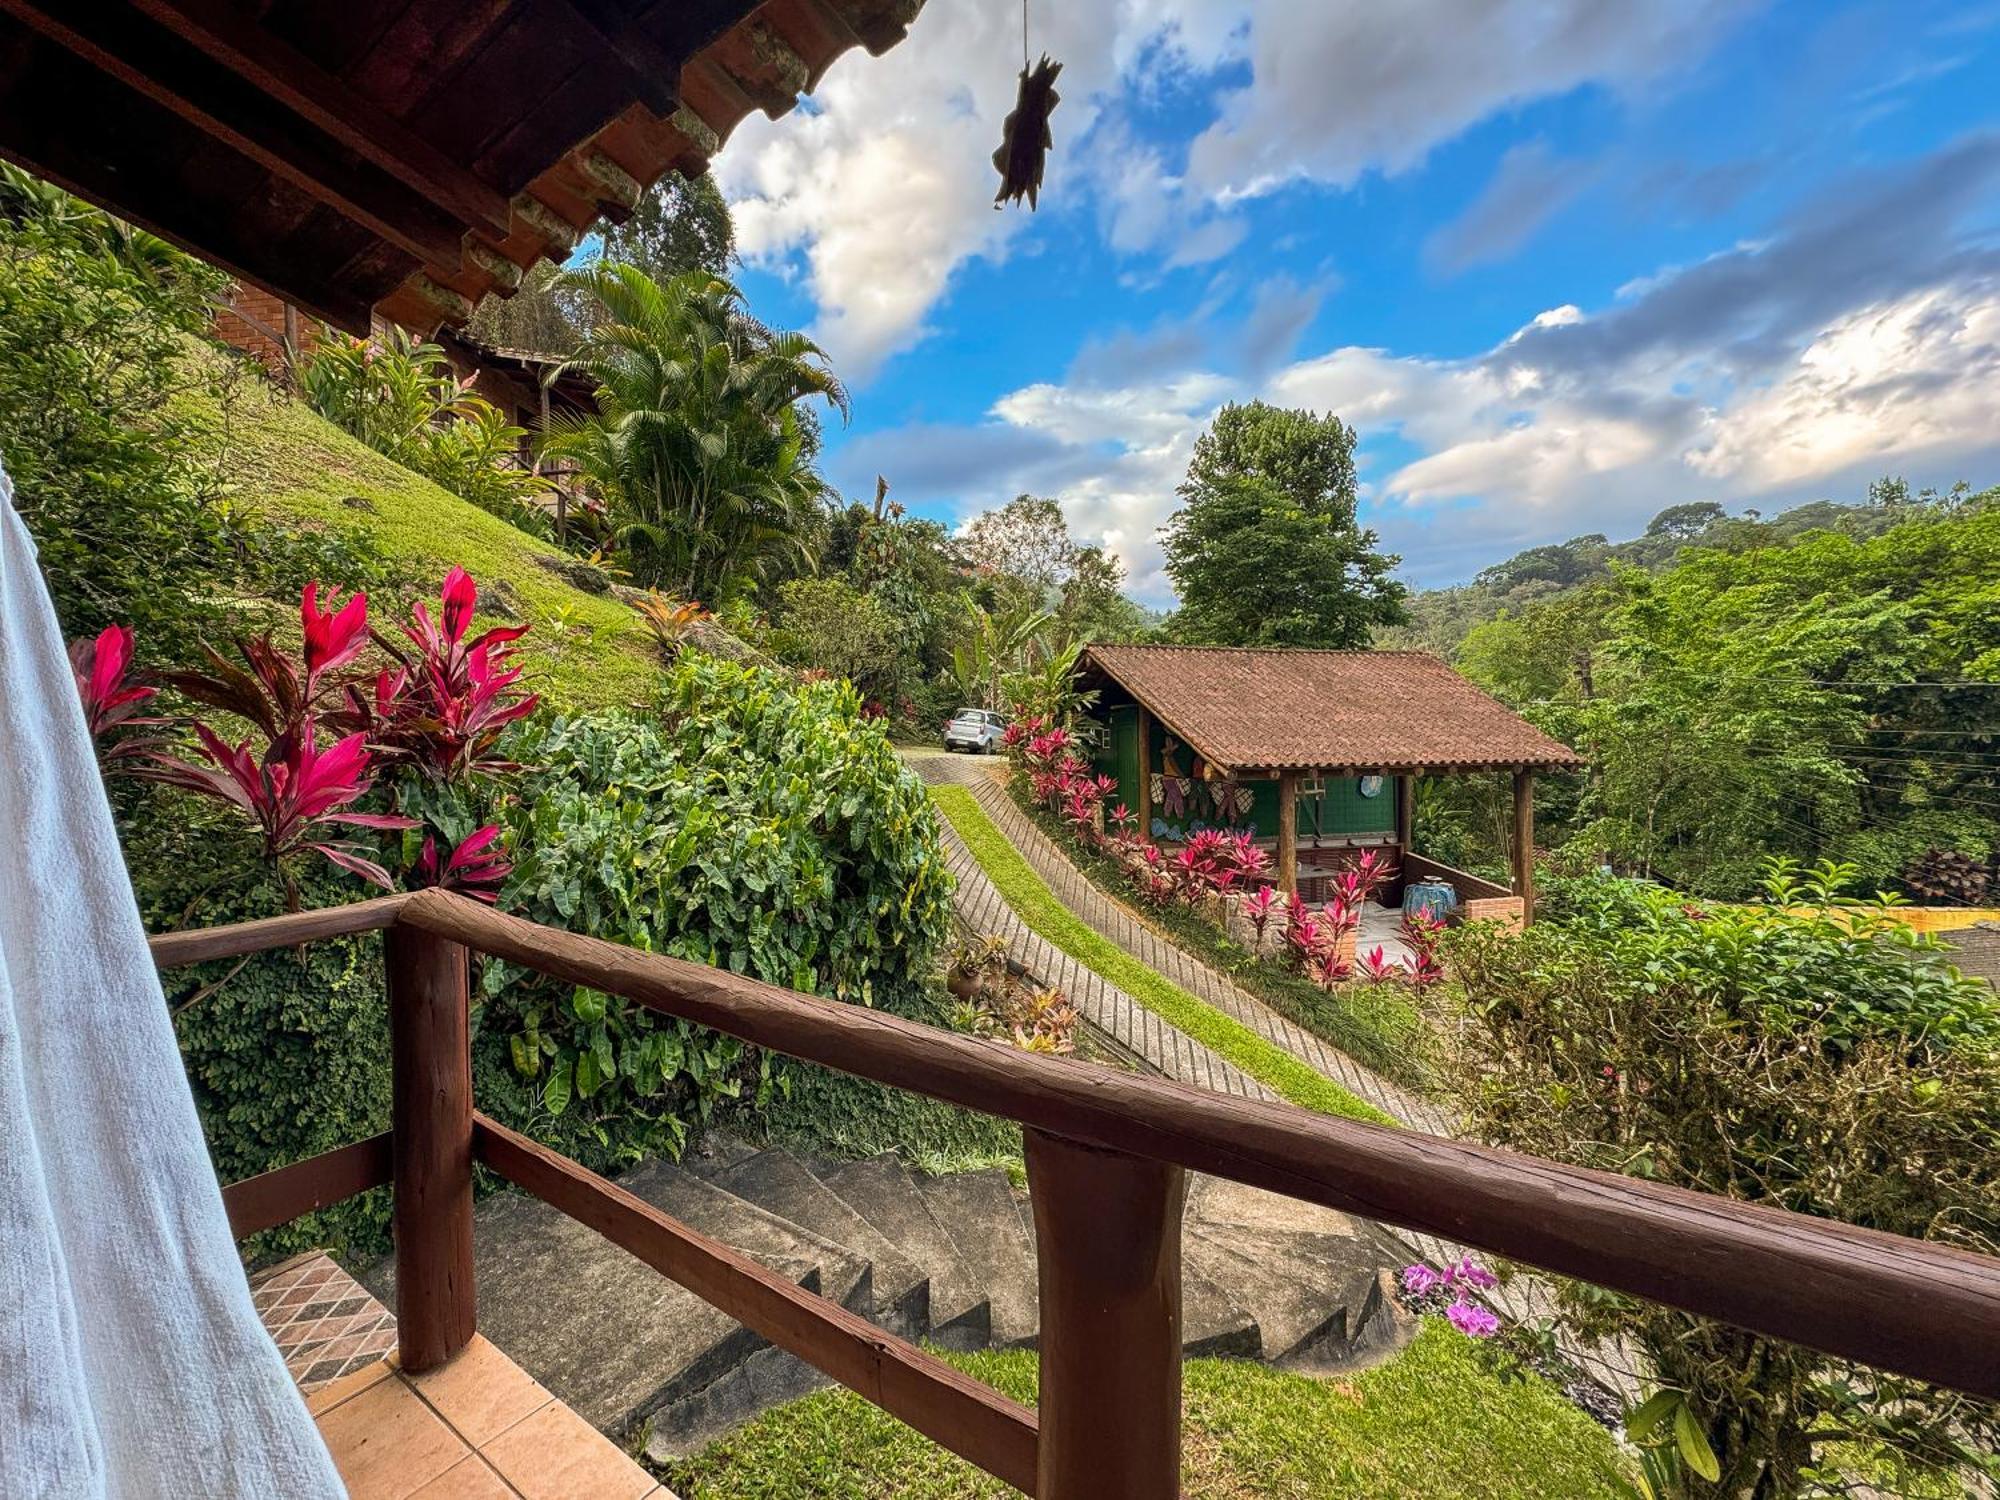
[
  {"x": 1376, "y": 965},
  {"x": 475, "y": 867},
  {"x": 293, "y": 793},
  {"x": 444, "y": 710},
  {"x": 111, "y": 695}
]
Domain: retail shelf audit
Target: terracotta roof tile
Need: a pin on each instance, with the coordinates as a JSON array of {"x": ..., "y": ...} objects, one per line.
[{"x": 1246, "y": 708}]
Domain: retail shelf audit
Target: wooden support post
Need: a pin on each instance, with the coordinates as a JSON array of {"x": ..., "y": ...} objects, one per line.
[
  {"x": 431, "y": 1121},
  {"x": 1406, "y": 810},
  {"x": 1288, "y": 832},
  {"x": 1524, "y": 843},
  {"x": 1143, "y": 800},
  {"x": 1108, "y": 1228}
]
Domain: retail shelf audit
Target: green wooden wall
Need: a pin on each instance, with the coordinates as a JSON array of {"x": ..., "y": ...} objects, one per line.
[{"x": 1342, "y": 810}]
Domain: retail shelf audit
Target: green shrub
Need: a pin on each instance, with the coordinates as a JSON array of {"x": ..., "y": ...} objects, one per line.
[
  {"x": 753, "y": 824},
  {"x": 93, "y": 318},
  {"x": 833, "y": 626},
  {"x": 1807, "y": 1055}
]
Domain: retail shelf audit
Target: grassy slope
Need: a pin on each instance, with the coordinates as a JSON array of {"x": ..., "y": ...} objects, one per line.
[
  {"x": 1432, "y": 1425},
  {"x": 1039, "y": 907},
  {"x": 286, "y": 463}
]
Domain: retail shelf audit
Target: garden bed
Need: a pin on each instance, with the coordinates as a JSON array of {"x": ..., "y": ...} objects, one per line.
[{"x": 1375, "y": 1024}]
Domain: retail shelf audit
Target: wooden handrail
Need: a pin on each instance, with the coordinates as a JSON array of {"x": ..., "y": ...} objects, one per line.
[
  {"x": 199, "y": 944},
  {"x": 1108, "y": 1424},
  {"x": 971, "y": 1419},
  {"x": 1904, "y": 1305}
]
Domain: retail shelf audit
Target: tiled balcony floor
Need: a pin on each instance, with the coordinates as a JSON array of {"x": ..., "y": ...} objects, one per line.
[
  {"x": 478, "y": 1428},
  {"x": 475, "y": 1429}
]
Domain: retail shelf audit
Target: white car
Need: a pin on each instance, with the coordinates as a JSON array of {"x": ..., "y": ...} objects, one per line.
[{"x": 975, "y": 729}]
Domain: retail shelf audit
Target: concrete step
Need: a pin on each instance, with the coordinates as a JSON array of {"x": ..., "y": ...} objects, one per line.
[
  {"x": 1322, "y": 1302},
  {"x": 978, "y": 1211},
  {"x": 846, "y": 1276},
  {"x": 601, "y": 1329},
  {"x": 778, "y": 1181},
  {"x": 702, "y": 1404},
  {"x": 881, "y": 1191},
  {"x": 716, "y": 1151}
]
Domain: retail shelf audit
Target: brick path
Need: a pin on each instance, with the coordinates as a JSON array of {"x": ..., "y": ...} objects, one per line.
[{"x": 981, "y": 910}]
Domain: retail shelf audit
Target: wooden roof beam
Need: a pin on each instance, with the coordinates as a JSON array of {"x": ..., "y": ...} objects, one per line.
[
  {"x": 196, "y": 89},
  {"x": 235, "y": 40},
  {"x": 654, "y": 72}
]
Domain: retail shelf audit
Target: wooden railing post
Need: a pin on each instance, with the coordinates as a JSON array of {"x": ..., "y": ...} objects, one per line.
[
  {"x": 1108, "y": 1228},
  {"x": 431, "y": 1121}
]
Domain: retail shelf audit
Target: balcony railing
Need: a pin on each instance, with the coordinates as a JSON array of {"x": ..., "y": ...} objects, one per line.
[{"x": 1107, "y": 1154}]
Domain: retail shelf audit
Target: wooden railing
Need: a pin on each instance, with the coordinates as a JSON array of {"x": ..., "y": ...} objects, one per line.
[{"x": 1107, "y": 1155}]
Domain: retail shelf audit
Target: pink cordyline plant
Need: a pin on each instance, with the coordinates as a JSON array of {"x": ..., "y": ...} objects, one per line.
[
  {"x": 111, "y": 695},
  {"x": 332, "y": 639},
  {"x": 444, "y": 711},
  {"x": 294, "y": 792},
  {"x": 1376, "y": 966},
  {"x": 1424, "y": 934},
  {"x": 475, "y": 867},
  {"x": 1259, "y": 907}
]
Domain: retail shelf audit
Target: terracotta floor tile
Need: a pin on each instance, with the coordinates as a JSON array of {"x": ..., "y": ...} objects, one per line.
[
  {"x": 481, "y": 1392},
  {"x": 328, "y": 1397},
  {"x": 387, "y": 1443},
  {"x": 556, "y": 1455},
  {"x": 468, "y": 1479}
]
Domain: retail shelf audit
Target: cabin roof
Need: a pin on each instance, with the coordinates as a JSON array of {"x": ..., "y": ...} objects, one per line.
[
  {"x": 399, "y": 157},
  {"x": 1249, "y": 709}
]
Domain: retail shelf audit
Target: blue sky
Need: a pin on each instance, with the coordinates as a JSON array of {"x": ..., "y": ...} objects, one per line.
[{"x": 1561, "y": 263}]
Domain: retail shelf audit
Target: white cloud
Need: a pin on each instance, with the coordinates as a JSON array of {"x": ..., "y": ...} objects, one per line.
[
  {"x": 884, "y": 189},
  {"x": 1862, "y": 336},
  {"x": 1338, "y": 90},
  {"x": 1917, "y": 373}
]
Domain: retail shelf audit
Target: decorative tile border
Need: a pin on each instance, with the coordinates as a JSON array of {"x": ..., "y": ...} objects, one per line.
[{"x": 323, "y": 1321}]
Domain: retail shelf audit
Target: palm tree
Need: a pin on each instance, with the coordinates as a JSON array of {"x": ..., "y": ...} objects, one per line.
[{"x": 698, "y": 445}]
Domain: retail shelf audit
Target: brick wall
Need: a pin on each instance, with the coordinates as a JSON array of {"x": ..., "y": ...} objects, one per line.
[
  {"x": 253, "y": 320},
  {"x": 1494, "y": 908}
]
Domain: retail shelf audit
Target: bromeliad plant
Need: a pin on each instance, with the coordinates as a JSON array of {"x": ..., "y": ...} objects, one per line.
[{"x": 324, "y": 742}]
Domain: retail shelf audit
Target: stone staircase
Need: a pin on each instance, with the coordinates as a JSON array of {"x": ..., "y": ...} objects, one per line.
[{"x": 948, "y": 1260}]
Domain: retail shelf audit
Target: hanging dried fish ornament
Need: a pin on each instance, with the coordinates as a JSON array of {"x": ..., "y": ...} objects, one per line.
[{"x": 1025, "y": 140}]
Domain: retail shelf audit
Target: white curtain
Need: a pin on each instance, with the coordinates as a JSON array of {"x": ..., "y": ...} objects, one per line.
[{"x": 132, "y": 1363}]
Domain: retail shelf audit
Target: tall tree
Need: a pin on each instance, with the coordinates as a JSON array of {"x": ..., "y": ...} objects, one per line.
[
  {"x": 1025, "y": 539},
  {"x": 1307, "y": 457},
  {"x": 697, "y": 443},
  {"x": 1254, "y": 568},
  {"x": 681, "y": 224}
]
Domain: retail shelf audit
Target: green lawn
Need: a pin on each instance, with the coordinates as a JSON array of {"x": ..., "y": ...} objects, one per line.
[
  {"x": 287, "y": 464},
  {"x": 1432, "y": 1425},
  {"x": 1040, "y": 908}
]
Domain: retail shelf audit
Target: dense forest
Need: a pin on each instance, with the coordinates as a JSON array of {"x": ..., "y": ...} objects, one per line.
[{"x": 1821, "y": 683}]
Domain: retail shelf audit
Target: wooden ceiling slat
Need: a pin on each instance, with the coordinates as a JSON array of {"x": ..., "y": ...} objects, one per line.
[
  {"x": 309, "y": 91},
  {"x": 160, "y": 67},
  {"x": 405, "y": 155},
  {"x": 654, "y": 71},
  {"x": 42, "y": 130},
  {"x": 519, "y": 68}
]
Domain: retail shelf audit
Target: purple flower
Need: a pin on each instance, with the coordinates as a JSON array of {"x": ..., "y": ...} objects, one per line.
[
  {"x": 1472, "y": 1320},
  {"x": 1468, "y": 1272},
  {"x": 1420, "y": 1280}
]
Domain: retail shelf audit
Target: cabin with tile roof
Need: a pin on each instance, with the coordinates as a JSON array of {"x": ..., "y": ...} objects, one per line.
[{"x": 1315, "y": 752}]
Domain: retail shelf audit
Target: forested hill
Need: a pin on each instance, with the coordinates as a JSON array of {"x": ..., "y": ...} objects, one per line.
[
  {"x": 1440, "y": 618},
  {"x": 1751, "y": 689}
]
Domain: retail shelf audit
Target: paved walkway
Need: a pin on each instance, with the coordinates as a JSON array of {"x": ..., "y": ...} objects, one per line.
[{"x": 981, "y": 910}]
